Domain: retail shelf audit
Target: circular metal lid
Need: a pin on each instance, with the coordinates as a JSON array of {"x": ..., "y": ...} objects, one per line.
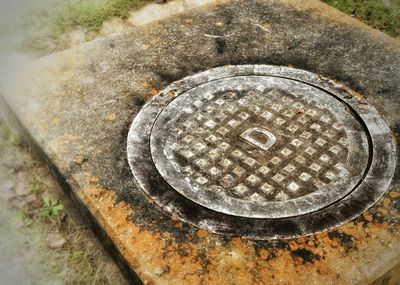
[
  {"x": 261, "y": 144},
  {"x": 259, "y": 147}
]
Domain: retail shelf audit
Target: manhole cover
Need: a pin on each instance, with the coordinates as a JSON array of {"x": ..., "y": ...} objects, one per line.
[
  {"x": 259, "y": 147},
  {"x": 242, "y": 149}
]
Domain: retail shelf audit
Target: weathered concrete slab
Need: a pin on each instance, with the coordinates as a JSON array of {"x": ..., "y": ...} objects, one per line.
[{"x": 76, "y": 107}]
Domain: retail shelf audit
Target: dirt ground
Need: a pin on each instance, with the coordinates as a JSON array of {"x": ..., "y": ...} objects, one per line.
[{"x": 43, "y": 239}]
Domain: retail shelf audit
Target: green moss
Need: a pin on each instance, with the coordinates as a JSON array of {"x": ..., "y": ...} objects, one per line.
[
  {"x": 90, "y": 14},
  {"x": 373, "y": 12}
]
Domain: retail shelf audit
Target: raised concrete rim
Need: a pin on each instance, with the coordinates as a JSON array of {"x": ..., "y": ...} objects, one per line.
[{"x": 374, "y": 185}]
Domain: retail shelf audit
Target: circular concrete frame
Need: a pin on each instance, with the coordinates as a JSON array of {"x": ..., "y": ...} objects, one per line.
[{"x": 376, "y": 179}]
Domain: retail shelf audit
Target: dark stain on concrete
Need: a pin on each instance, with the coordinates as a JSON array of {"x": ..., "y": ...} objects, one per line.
[
  {"x": 306, "y": 255},
  {"x": 220, "y": 44},
  {"x": 396, "y": 206},
  {"x": 271, "y": 246},
  {"x": 138, "y": 102},
  {"x": 345, "y": 240}
]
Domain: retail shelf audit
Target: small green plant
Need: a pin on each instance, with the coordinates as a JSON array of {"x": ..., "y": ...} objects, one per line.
[
  {"x": 34, "y": 184},
  {"x": 22, "y": 216},
  {"x": 35, "y": 187},
  {"x": 9, "y": 135},
  {"x": 51, "y": 208}
]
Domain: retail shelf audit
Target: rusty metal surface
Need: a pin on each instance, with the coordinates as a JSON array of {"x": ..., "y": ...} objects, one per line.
[{"x": 317, "y": 151}]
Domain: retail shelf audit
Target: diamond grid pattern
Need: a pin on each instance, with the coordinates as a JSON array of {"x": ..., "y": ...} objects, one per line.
[{"x": 301, "y": 162}]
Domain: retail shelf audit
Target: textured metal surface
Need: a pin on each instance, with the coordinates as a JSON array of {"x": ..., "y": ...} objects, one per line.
[
  {"x": 259, "y": 147},
  {"x": 246, "y": 145}
]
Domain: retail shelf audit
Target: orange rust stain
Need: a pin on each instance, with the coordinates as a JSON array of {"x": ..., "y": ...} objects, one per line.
[
  {"x": 264, "y": 254},
  {"x": 210, "y": 267},
  {"x": 236, "y": 241},
  {"x": 393, "y": 194},
  {"x": 293, "y": 245},
  {"x": 382, "y": 211},
  {"x": 179, "y": 225},
  {"x": 386, "y": 202},
  {"x": 334, "y": 243},
  {"x": 368, "y": 217},
  {"x": 93, "y": 180},
  {"x": 155, "y": 258},
  {"x": 136, "y": 244},
  {"x": 379, "y": 226},
  {"x": 189, "y": 21},
  {"x": 146, "y": 84},
  {"x": 153, "y": 92},
  {"x": 358, "y": 95},
  {"x": 202, "y": 233}
]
